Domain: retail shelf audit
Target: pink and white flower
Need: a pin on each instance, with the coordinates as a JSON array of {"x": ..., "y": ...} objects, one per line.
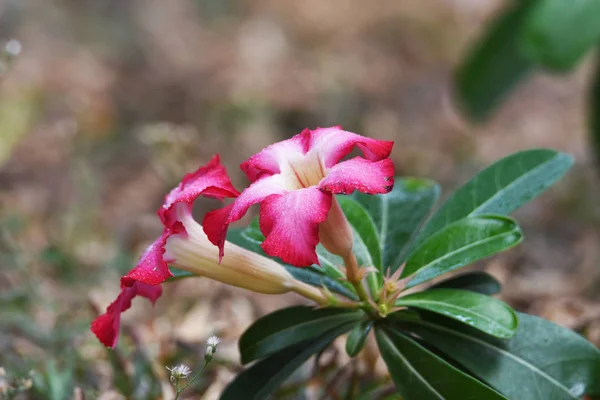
[
  {"x": 152, "y": 269},
  {"x": 184, "y": 244},
  {"x": 295, "y": 180}
]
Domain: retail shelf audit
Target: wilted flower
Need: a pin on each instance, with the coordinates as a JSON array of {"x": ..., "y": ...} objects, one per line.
[{"x": 294, "y": 181}]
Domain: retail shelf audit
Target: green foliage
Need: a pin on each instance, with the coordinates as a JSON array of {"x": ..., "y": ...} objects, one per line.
[
  {"x": 502, "y": 187},
  {"x": 397, "y": 216},
  {"x": 420, "y": 374},
  {"x": 528, "y": 34},
  {"x": 264, "y": 377},
  {"x": 481, "y": 312},
  {"x": 558, "y": 33},
  {"x": 358, "y": 336},
  {"x": 56, "y": 384},
  {"x": 451, "y": 341},
  {"x": 496, "y": 64},
  {"x": 460, "y": 243},
  {"x": 476, "y": 281},
  {"x": 290, "y": 326},
  {"x": 542, "y": 361}
]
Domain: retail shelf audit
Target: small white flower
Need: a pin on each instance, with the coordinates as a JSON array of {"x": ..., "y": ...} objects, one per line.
[
  {"x": 213, "y": 341},
  {"x": 180, "y": 371}
]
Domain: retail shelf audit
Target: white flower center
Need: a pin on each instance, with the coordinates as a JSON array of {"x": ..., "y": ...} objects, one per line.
[{"x": 303, "y": 171}]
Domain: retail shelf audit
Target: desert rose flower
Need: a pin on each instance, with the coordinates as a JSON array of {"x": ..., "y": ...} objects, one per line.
[
  {"x": 184, "y": 244},
  {"x": 294, "y": 181}
]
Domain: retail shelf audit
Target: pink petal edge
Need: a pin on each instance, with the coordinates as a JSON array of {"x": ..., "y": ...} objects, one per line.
[
  {"x": 106, "y": 326},
  {"x": 152, "y": 269},
  {"x": 334, "y": 144},
  {"x": 210, "y": 180},
  {"x": 360, "y": 174}
]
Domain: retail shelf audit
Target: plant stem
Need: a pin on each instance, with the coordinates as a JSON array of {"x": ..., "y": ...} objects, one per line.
[
  {"x": 179, "y": 390},
  {"x": 354, "y": 276},
  {"x": 319, "y": 297},
  {"x": 352, "y": 270}
]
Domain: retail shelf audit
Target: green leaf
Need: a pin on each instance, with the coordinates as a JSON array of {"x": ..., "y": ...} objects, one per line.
[
  {"x": 364, "y": 226},
  {"x": 502, "y": 187},
  {"x": 398, "y": 214},
  {"x": 358, "y": 336},
  {"x": 476, "y": 281},
  {"x": 459, "y": 244},
  {"x": 495, "y": 65},
  {"x": 264, "y": 377},
  {"x": 485, "y": 313},
  {"x": 542, "y": 361},
  {"x": 286, "y": 327},
  {"x": 420, "y": 374},
  {"x": 558, "y": 32}
]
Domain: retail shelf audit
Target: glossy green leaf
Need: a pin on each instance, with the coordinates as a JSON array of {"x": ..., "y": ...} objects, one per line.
[
  {"x": 263, "y": 378},
  {"x": 286, "y": 327},
  {"x": 485, "y": 313},
  {"x": 502, "y": 187},
  {"x": 475, "y": 281},
  {"x": 358, "y": 336},
  {"x": 398, "y": 214},
  {"x": 558, "y": 33},
  {"x": 542, "y": 361},
  {"x": 459, "y": 244},
  {"x": 495, "y": 65},
  {"x": 421, "y": 375}
]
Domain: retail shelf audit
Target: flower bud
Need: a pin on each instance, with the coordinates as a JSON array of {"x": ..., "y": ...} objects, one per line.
[{"x": 211, "y": 348}]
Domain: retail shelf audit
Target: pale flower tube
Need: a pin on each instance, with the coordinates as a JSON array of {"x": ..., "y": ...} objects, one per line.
[{"x": 193, "y": 252}]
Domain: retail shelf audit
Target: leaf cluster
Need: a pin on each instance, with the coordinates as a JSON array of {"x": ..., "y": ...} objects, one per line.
[{"x": 450, "y": 340}]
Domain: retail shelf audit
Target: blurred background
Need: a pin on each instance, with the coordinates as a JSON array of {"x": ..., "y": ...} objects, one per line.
[{"x": 105, "y": 105}]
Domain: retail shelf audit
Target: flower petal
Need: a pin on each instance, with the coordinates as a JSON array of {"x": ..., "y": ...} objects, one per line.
[
  {"x": 290, "y": 223},
  {"x": 210, "y": 180},
  {"x": 269, "y": 160},
  {"x": 106, "y": 326},
  {"x": 217, "y": 222},
  {"x": 152, "y": 268},
  {"x": 333, "y": 144},
  {"x": 360, "y": 174}
]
